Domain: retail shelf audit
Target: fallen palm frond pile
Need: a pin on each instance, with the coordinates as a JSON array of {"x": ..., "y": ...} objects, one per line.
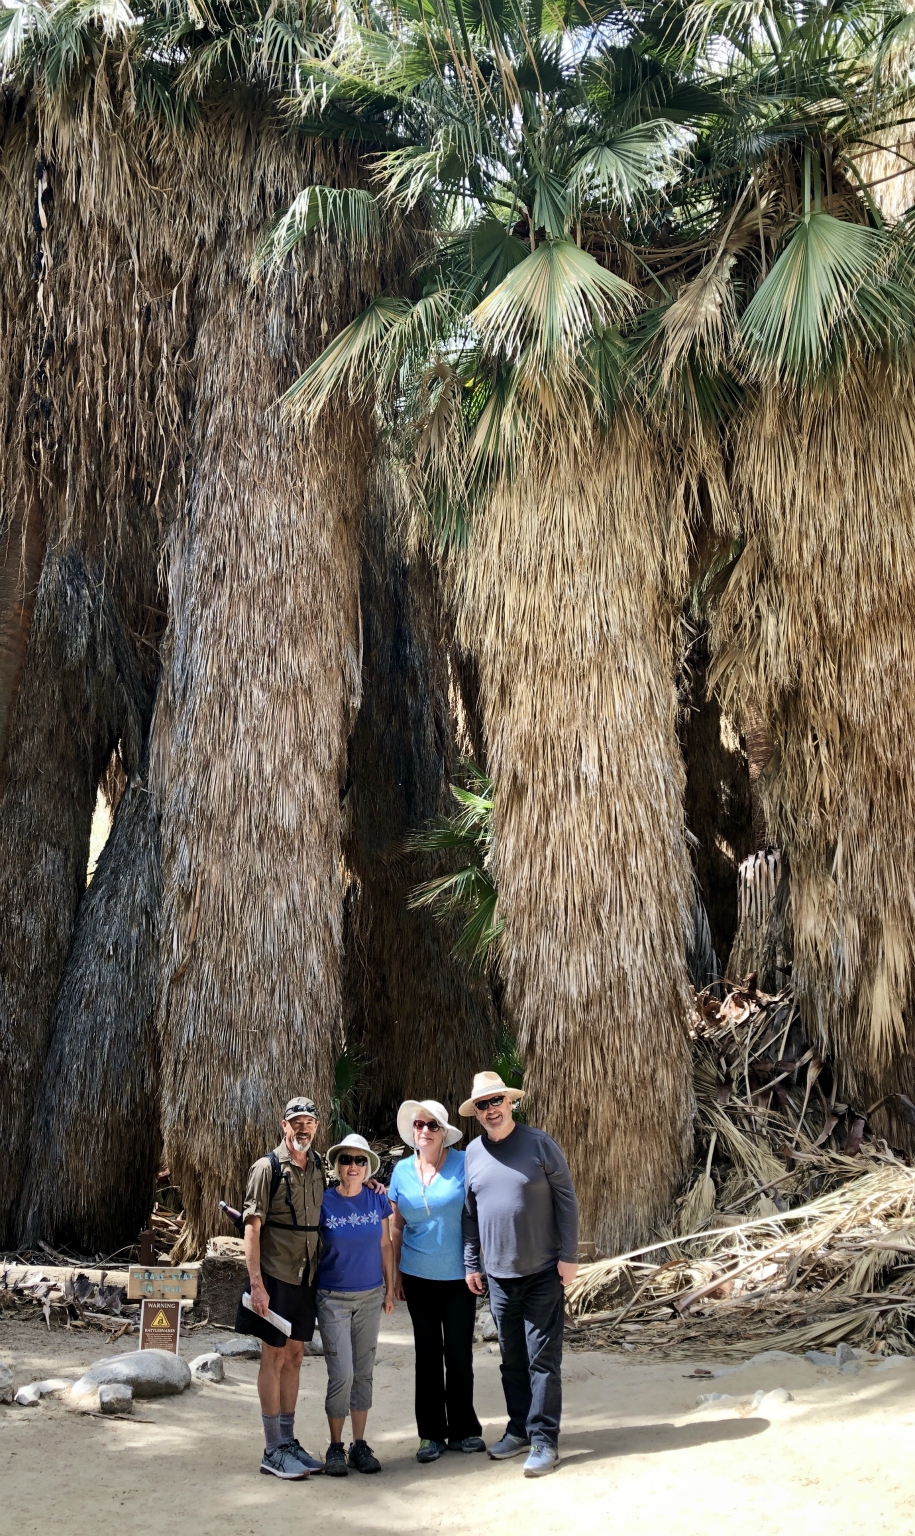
[
  {"x": 797, "y": 1229},
  {"x": 75, "y": 1299}
]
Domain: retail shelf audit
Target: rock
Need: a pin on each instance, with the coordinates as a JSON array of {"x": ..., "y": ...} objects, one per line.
[
  {"x": 817, "y": 1357},
  {"x": 244, "y": 1346},
  {"x": 150, "y": 1372},
  {"x": 6, "y": 1383},
  {"x": 723, "y": 1399},
  {"x": 893, "y": 1362},
  {"x": 208, "y": 1368},
  {"x": 844, "y": 1355},
  {"x": 769, "y": 1356},
  {"x": 771, "y": 1402},
  {"x": 315, "y": 1347},
  {"x": 28, "y": 1396},
  {"x": 223, "y": 1277},
  {"x": 850, "y": 1368},
  {"x": 115, "y": 1397},
  {"x": 485, "y": 1328}
]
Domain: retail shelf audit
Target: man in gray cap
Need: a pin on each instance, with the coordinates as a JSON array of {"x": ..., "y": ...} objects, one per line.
[{"x": 281, "y": 1213}]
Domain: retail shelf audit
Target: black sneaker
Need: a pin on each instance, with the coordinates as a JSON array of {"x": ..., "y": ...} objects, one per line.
[
  {"x": 283, "y": 1462},
  {"x": 469, "y": 1444},
  {"x": 335, "y": 1460},
  {"x": 362, "y": 1458}
]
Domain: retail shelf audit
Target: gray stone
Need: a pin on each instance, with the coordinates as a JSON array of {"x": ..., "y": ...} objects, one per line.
[
  {"x": 315, "y": 1347},
  {"x": 893, "y": 1362},
  {"x": 817, "y": 1357},
  {"x": 771, "y": 1402},
  {"x": 849, "y": 1368},
  {"x": 844, "y": 1355},
  {"x": 6, "y": 1383},
  {"x": 208, "y": 1368},
  {"x": 769, "y": 1356},
  {"x": 242, "y": 1347},
  {"x": 485, "y": 1328},
  {"x": 150, "y": 1372},
  {"x": 115, "y": 1397},
  {"x": 28, "y": 1396},
  {"x": 723, "y": 1399}
]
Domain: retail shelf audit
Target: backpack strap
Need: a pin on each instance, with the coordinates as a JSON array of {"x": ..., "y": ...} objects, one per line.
[{"x": 278, "y": 1177}]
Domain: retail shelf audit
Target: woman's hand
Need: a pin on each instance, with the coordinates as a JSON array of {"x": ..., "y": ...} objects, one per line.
[
  {"x": 389, "y": 1301},
  {"x": 399, "y": 1290}
]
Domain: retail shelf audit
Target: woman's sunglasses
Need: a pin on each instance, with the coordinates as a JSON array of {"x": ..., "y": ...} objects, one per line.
[
  {"x": 346, "y": 1161},
  {"x": 426, "y": 1125},
  {"x": 490, "y": 1103}
]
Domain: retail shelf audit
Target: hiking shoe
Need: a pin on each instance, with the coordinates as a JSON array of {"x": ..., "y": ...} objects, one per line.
[
  {"x": 468, "y": 1444},
  {"x": 335, "y": 1460},
  {"x": 544, "y": 1458},
  {"x": 430, "y": 1450},
  {"x": 309, "y": 1462},
  {"x": 283, "y": 1462},
  {"x": 362, "y": 1458},
  {"x": 509, "y": 1445}
]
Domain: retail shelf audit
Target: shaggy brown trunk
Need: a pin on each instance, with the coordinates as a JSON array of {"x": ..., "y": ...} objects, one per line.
[
  {"x": 95, "y": 1137},
  {"x": 759, "y": 748},
  {"x": 20, "y": 572},
  {"x": 420, "y": 1023},
  {"x": 260, "y": 687},
  {"x": 564, "y": 602}
]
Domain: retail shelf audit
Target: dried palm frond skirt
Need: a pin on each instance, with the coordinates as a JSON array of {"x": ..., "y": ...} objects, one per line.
[{"x": 796, "y": 1231}]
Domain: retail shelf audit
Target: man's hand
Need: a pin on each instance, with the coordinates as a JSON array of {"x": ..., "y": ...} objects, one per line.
[
  {"x": 476, "y": 1282},
  {"x": 567, "y": 1272},
  {"x": 260, "y": 1301},
  {"x": 376, "y": 1186}
]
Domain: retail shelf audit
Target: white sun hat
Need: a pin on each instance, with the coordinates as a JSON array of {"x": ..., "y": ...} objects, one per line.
[
  {"x": 431, "y": 1107},
  {"x": 488, "y": 1085},
  {"x": 354, "y": 1143}
]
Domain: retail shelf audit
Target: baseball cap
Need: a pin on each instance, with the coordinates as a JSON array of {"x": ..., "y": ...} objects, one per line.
[{"x": 300, "y": 1106}]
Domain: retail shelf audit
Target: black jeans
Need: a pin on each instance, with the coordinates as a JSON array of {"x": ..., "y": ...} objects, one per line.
[
  {"x": 443, "y": 1313},
  {"x": 528, "y": 1314}
]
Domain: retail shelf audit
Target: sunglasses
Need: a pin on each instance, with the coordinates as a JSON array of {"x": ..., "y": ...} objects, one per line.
[
  {"x": 490, "y": 1103},
  {"x": 347, "y": 1161},
  {"x": 426, "y": 1125}
]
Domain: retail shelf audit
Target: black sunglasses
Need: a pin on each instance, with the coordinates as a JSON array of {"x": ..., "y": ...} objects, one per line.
[
  {"x": 426, "y": 1125},
  {"x": 346, "y": 1160},
  {"x": 490, "y": 1103}
]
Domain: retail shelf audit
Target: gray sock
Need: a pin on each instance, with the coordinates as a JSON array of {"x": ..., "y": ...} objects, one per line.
[
  {"x": 273, "y": 1433},
  {"x": 287, "y": 1426}
]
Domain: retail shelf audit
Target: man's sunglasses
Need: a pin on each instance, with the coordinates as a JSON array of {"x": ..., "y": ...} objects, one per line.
[
  {"x": 346, "y": 1160},
  {"x": 426, "y": 1125},
  {"x": 490, "y": 1103}
]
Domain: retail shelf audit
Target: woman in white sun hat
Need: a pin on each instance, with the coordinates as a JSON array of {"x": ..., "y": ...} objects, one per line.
[
  {"x": 355, "y": 1281},
  {"x": 427, "y": 1193}
]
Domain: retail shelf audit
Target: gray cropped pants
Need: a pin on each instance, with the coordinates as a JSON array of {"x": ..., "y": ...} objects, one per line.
[{"x": 349, "y": 1323}]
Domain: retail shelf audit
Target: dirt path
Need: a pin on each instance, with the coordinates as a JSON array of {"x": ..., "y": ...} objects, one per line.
[{"x": 638, "y": 1456}]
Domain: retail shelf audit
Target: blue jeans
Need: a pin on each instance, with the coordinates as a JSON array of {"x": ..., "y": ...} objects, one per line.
[{"x": 528, "y": 1314}]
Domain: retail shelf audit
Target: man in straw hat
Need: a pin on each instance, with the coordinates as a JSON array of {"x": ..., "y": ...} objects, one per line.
[
  {"x": 520, "y": 1208},
  {"x": 281, "y": 1214}
]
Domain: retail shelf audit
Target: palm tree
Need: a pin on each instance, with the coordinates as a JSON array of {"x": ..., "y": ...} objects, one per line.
[{"x": 535, "y": 144}]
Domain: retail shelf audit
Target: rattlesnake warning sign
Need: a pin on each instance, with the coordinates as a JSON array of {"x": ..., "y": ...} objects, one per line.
[{"x": 160, "y": 1325}]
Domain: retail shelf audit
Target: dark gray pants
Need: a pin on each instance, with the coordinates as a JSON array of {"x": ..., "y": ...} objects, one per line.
[{"x": 528, "y": 1314}]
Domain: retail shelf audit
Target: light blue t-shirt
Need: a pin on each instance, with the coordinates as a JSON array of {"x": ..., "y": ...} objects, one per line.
[{"x": 432, "y": 1243}]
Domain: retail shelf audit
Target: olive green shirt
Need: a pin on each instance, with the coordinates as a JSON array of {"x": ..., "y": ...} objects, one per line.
[{"x": 287, "y": 1254}]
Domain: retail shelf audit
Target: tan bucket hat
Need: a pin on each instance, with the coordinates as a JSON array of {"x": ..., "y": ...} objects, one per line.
[
  {"x": 354, "y": 1143},
  {"x": 435, "y": 1111},
  {"x": 486, "y": 1085}
]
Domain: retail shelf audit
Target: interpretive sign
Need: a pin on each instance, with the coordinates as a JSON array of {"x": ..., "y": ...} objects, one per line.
[
  {"x": 160, "y": 1325},
  {"x": 162, "y": 1282}
]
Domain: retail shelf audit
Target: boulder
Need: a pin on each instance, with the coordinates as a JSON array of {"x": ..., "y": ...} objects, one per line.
[
  {"x": 771, "y": 1402},
  {"x": 845, "y": 1355},
  {"x": 720, "y": 1399},
  {"x": 819, "y": 1357},
  {"x": 244, "y": 1346},
  {"x": 6, "y": 1383},
  {"x": 208, "y": 1368},
  {"x": 28, "y": 1396},
  {"x": 315, "y": 1346},
  {"x": 769, "y": 1356},
  {"x": 115, "y": 1397},
  {"x": 485, "y": 1328},
  {"x": 150, "y": 1373}
]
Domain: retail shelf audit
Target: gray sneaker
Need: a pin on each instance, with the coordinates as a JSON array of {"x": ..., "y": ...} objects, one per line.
[
  {"x": 544, "y": 1458},
  {"x": 309, "y": 1462},
  {"x": 283, "y": 1462},
  {"x": 509, "y": 1445}
]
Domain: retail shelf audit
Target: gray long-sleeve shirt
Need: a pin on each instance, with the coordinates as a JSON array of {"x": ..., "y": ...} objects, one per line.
[{"x": 519, "y": 1206}]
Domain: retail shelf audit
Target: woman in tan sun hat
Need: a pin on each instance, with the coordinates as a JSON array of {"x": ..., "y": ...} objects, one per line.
[{"x": 427, "y": 1193}]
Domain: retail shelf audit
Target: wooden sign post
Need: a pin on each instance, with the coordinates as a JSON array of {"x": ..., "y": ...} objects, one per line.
[{"x": 160, "y": 1325}]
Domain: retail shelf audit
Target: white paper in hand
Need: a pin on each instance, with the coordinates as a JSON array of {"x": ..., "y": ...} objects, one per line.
[{"x": 281, "y": 1323}]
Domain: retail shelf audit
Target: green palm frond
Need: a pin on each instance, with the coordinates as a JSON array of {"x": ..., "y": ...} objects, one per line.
[
  {"x": 470, "y": 889},
  {"x": 348, "y": 213}
]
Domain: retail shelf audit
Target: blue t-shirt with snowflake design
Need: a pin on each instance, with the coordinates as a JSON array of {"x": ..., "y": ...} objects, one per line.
[{"x": 352, "y": 1227}]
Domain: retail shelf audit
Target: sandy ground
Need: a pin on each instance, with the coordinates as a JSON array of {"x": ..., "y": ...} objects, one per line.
[{"x": 638, "y": 1455}]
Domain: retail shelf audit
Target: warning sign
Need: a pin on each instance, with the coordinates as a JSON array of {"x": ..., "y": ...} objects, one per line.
[{"x": 160, "y": 1325}]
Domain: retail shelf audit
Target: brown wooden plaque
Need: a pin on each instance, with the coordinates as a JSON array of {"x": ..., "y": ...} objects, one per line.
[
  {"x": 160, "y": 1325},
  {"x": 162, "y": 1282}
]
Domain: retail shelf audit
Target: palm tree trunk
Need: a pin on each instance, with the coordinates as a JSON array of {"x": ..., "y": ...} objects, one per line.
[
  {"x": 260, "y": 687},
  {"x": 420, "y": 1023},
  {"x": 20, "y": 572},
  {"x": 565, "y": 602},
  {"x": 95, "y": 1138}
]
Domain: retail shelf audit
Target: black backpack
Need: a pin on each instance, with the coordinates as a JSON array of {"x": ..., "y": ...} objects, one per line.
[{"x": 277, "y": 1177}]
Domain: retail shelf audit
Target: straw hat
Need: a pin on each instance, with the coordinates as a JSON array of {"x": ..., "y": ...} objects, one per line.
[
  {"x": 434, "y": 1110},
  {"x": 354, "y": 1143},
  {"x": 486, "y": 1085}
]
